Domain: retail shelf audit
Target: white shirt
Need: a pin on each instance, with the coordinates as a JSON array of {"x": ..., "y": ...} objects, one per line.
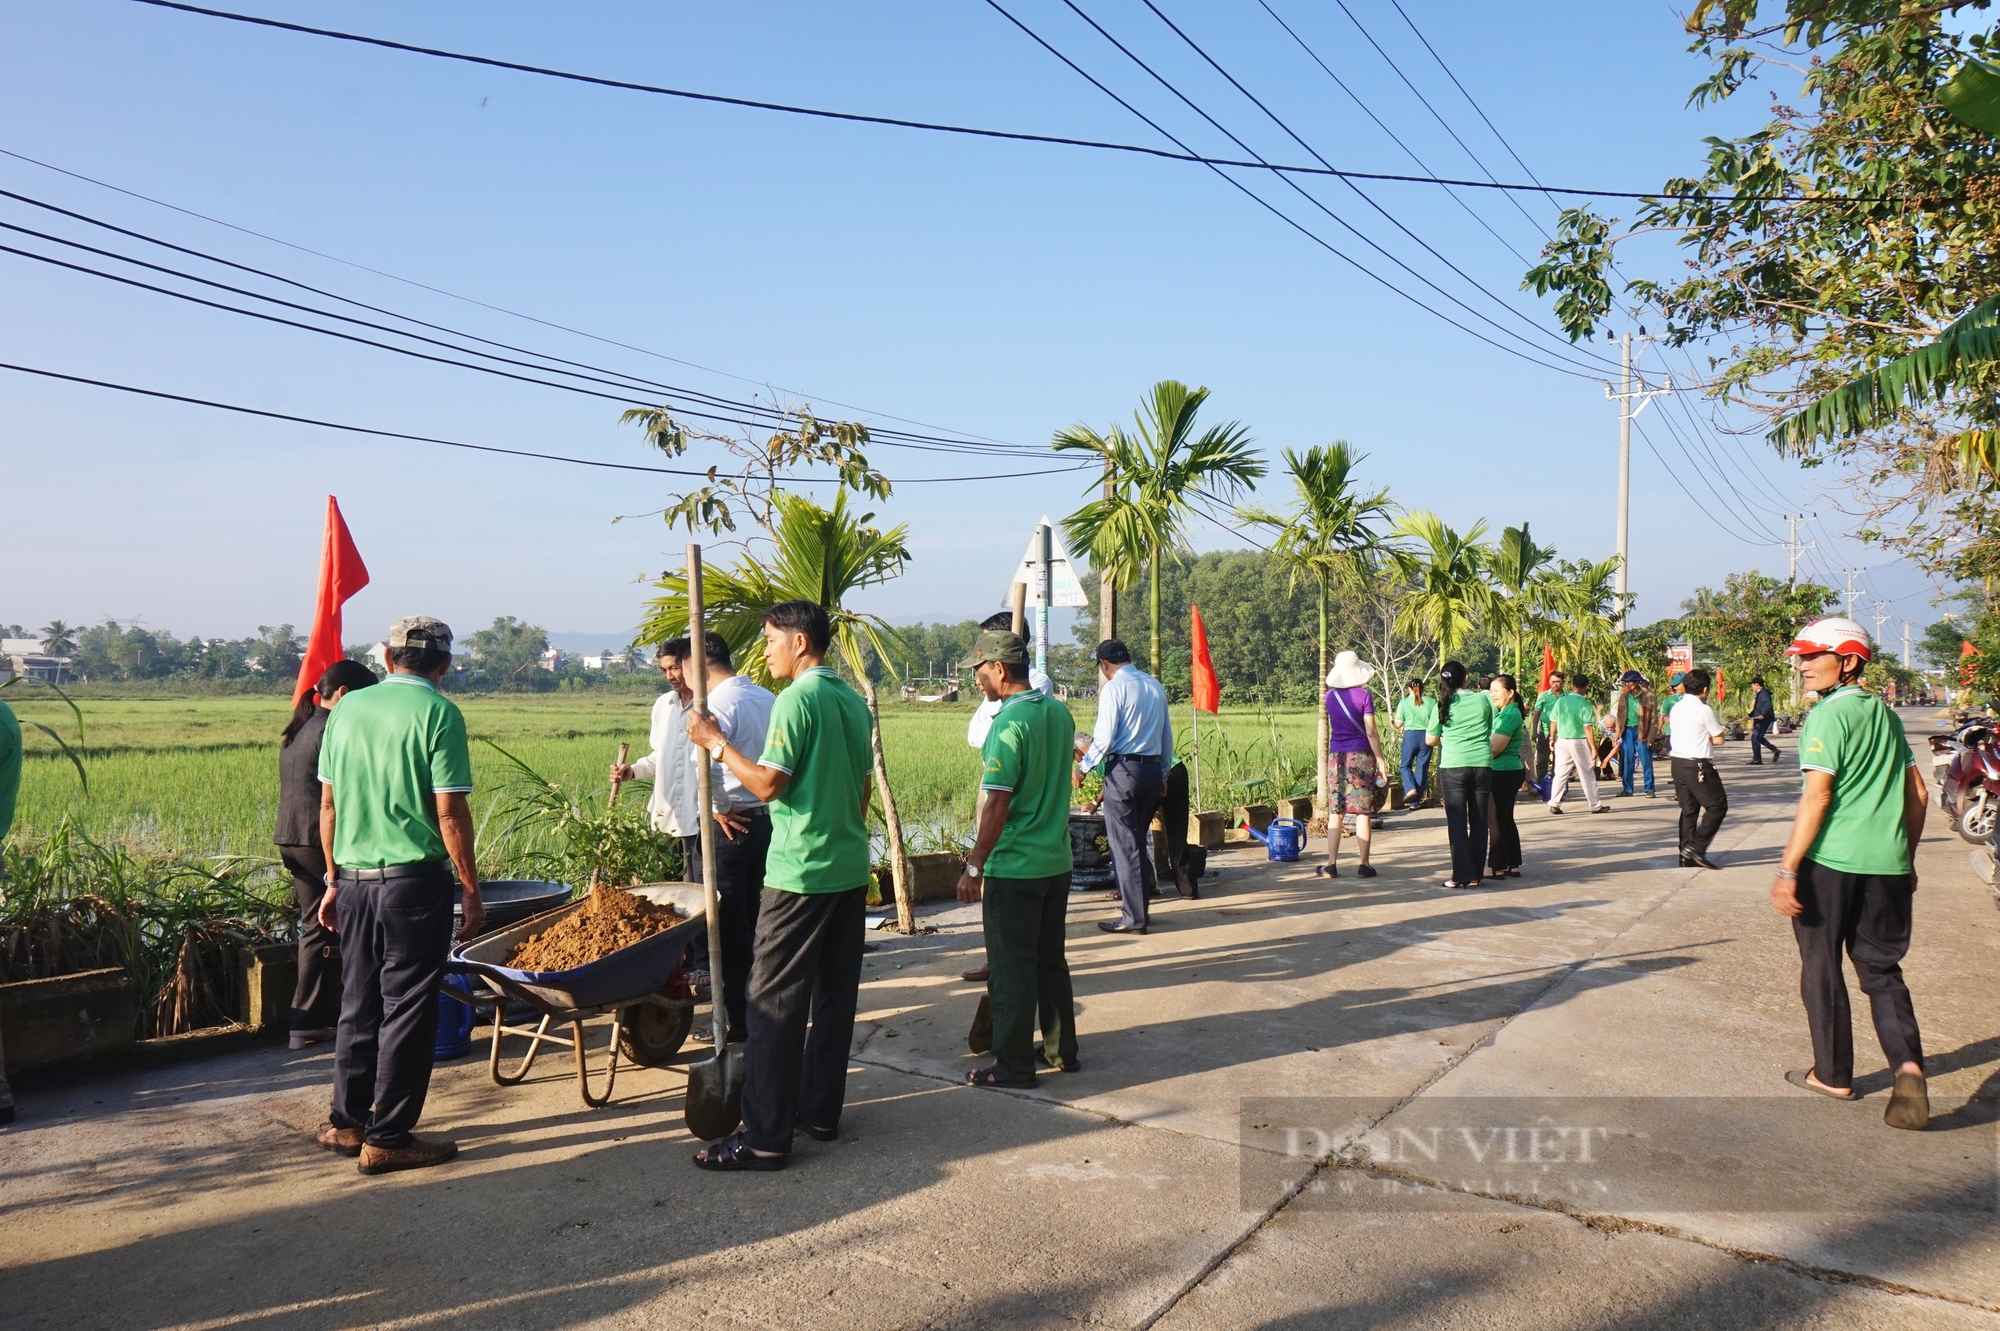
[
  {"x": 982, "y": 717},
  {"x": 1695, "y": 729},
  {"x": 672, "y": 803},
  {"x": 742, "y": 712}
]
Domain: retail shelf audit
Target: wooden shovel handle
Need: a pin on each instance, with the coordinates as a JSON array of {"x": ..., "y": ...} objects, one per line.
[{"x": 624, "y": 751}]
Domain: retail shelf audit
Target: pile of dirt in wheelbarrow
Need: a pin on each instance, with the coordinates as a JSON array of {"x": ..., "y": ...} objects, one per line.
[{"x": 611, "y": 919}]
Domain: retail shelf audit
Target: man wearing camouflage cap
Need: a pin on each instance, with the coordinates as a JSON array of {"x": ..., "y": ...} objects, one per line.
[
  {"x": 1019, "y": 866},
  {"x": 394, "y": 773}
]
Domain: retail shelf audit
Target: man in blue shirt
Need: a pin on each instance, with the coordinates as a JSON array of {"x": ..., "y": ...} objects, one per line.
[
  {"x": 1763, "y": 715},
  {"x": 1134, "y": 742}
]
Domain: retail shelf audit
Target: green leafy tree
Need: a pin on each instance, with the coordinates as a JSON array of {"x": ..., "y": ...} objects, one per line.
[
  {"x": 1529, "y": 598},
  {"x": 58, "y": 638},
  {"x": 1941, "y": 645},
  {"x": 1324, "y": 539},
  {"x": 278, "y": 651},
  {"x": 1746, "y": 625},
  {"x": 1154, "y": 479},
  {"x": 507, "y": 654},
  {"x": 1825, "y": 248},
  {"x": 1448, "y": 591},
  {"x": 823, "y": 555}
]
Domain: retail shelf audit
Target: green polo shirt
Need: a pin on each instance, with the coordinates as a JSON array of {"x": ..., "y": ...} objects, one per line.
[
  {"x": 10, "y": 766},
  {"x": 1414, "y": 715},
  {"x": 1853, "y": 736},
  {"x": 1512, "y": 724},
  {"x": 1544, "y": 700},
  {"x": 1468, "y": 734},
  {"x": 1633, "y": 707},
  {"x": 388, "y": 752},
  {"x": 819, "y": 836},
  {"x": 1572, "y": 715},
  {"x": 1027, "y": 754}
]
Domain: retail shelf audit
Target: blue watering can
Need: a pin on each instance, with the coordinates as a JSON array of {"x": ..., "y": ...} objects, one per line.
[{"x": 1285, "y": 839}]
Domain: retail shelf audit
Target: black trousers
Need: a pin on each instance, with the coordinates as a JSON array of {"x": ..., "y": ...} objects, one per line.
[
  {"x": 1132, "y": 792},
  {"x": 1760, "y": 740},
  {"x": 316, "y": 997},
  {"x": 1026, "y": 945},
  {"x": 1703, "y": 801},
  {"x": 394, "y": 941},
  {"x": 1170, "y": 846},
  {"x": 1869, "y": 916},
  {"x": 1465, "y": 791},
  {"x": 807, "y": 969},
  {"x": 739, "y": 883},
  {"x": 1505, "y": 852}
]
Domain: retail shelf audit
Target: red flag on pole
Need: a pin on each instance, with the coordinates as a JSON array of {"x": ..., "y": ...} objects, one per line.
[
  {"x": 1207, "y": 693},
  {"x": 341, "y": 574},
  {"x": 1548, "y": 666},
  {"x": 1967, "y": 672},
  {"x": 1721, "y": 686}
]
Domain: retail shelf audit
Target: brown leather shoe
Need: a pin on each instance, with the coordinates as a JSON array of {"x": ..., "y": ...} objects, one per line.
[
  {"x": 341, "y": 1141},
  {"x": 419, "y": 1154}
]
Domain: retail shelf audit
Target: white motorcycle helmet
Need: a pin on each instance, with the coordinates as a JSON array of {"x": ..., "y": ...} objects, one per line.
[{"x": 1835, "y": 633}]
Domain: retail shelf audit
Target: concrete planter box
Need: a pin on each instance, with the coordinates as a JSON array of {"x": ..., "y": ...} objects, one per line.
[
  {"x": 68, "y": 1019},
  {"x": 1258, "y": 816},
  {"x": 1301, "y": 809},
  {"x": 932, "y": 878},
  {"x": 1206, "y": 829},
  {"x": 270, "y": 973}
]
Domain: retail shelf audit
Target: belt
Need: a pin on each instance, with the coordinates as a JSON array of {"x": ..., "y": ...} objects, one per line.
[
  {"x": 427, "y": 869},
  {"x": 1133, "y": 757}
]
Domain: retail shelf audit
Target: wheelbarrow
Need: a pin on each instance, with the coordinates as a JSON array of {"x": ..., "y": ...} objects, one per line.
[{"x": 641, "y": 987}]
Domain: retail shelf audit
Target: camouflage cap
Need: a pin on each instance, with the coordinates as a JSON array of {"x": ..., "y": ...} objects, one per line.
[
  {"x": 998, "y": 645},
  {"x": 420, "y": 631}
]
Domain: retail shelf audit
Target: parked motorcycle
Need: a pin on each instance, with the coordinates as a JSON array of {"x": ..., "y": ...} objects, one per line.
[{"x": 1969, "y": 790}]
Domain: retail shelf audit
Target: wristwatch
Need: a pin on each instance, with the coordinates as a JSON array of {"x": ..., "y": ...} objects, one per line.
[
  {"x": 971, "y": 870},
  {"x": 715, "y": 749}
]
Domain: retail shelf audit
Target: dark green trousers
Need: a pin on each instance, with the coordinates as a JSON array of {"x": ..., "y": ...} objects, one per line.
[{"x": 1025, "y": 946}]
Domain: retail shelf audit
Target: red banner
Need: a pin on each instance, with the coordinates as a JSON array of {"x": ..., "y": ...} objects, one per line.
[
  {"x": 341, "y": 574},
  {"x": 1207, "y": 692},
  {"x": 1721, "y": 687},
  {"x": 1548, "y": 667},
  {"x": 1967, "y": 672}
]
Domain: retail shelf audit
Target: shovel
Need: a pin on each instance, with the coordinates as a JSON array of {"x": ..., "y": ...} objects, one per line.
[
  {"x": 597, "y": 874},
  {"x": 715, "y": 1083}
]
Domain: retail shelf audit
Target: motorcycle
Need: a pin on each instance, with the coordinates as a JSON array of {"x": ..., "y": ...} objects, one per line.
[{"x": 1969, "y": 792}]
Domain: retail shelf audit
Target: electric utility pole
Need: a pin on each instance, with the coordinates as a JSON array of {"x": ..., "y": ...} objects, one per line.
[
  {"x": 1630, "y": 403},
  {"x": 1795, "y": 547},
  {"x": 1880, "y": 616},
  {"x": 1852, "y": 591},
  {"x": 1906, "y": 644}
]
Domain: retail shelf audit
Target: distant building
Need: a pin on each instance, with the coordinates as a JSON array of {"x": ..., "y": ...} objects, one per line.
[
  {"x": 552, "y": 659},
  {"x": 608, "y": 661},
  {"x": 24, "y": 656}
]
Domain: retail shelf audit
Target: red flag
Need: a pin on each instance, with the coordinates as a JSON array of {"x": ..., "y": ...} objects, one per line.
[
  {"x": 341, "y": 574},
  {"x": 1207, "y": 693},
  {"x": 1721, "y": 687},
  {"x": 1967, "y": 672},
  {"x": 1548, "y": 666}
]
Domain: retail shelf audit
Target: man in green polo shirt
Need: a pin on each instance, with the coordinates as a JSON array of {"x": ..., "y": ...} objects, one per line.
[
  {"x": 394, "y": 773},
  {"x": 814, "y": 774},
  {"x": 1847, "y": 875},
  {"x": 1019, "y": 866},
  {"x": 10, "y": 789},
  {"x": 1574, "y": 721}
]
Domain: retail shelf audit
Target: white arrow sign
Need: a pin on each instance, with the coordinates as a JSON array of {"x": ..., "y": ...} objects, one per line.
[{"x": 1062, "y": 577}]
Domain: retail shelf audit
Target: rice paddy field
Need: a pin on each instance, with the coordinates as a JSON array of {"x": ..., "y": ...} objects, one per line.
[{"x": 197, "y": 775}]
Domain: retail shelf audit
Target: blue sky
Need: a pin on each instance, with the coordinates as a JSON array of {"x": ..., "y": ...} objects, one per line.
[{"x": 1001, "y": 289}]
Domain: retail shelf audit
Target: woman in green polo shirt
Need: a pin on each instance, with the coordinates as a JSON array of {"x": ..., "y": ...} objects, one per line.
[
  {"x": 1464, "y": 740},
  {"x": 1510, "y": 733},
  {"x": 1416, "y": 717}
]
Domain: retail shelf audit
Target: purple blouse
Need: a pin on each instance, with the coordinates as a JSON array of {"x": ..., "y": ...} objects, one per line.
[{"x": 1344, "y": 710}]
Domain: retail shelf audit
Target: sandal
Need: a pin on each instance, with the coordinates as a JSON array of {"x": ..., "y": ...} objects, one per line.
[
  {"x": 1460, "y": 887},
  {"x": 1797, "y": 1077},
  {"x": 994, "y": 1078},
  {"x": 1326, "y": 871},
  {"x": 734, "y": 1153}
]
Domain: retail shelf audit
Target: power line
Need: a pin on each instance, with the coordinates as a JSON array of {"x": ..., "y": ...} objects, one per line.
[
  {"x": 1185, "y": 155},
  {"x": 1675, "y": 478},
  {"x": 888, "y": 437},
  {"x": 469, "y": 300},
  {"x": 1262, "y": 202},
  {"x": 454, "y": 443},
  {"x": 1533, "y": 323}
]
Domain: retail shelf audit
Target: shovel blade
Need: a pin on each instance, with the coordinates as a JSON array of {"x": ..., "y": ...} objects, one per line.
[
  {"x": 715, "y": 1094},
  {"x": 980, "y": 1038}
]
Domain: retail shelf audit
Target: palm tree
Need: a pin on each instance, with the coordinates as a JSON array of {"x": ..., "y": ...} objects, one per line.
[
  {"x": 1447, "y": 572},
  {"x": 1515, "y": 567},
  {"x": 58, "y": 638},
  {"x": 1153, "y": 479},
  {"x": 1325, "y": 537},
  {"x": 823, "y": 555},
  {"x": 1585, "y": 599}
]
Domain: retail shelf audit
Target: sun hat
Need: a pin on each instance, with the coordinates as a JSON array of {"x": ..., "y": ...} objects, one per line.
[
  {"x": 1836, "y": 633},
  {"x": 1348, "y": 672}
]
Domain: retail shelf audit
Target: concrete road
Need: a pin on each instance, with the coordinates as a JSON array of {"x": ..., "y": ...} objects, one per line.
[{"x": 1236, "y": 1152}]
